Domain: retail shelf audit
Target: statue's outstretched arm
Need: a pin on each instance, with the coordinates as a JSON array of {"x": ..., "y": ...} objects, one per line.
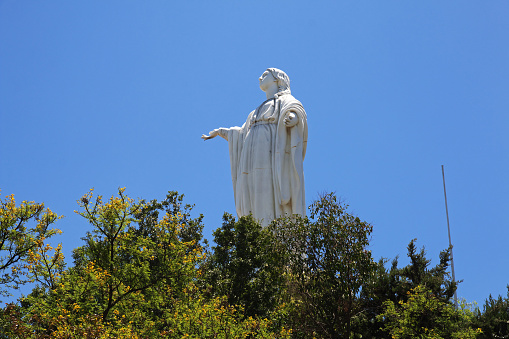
[{"x": 222, "y": 132}]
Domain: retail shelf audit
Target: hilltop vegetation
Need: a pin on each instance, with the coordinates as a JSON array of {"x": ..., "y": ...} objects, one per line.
[{"x": 144, "y": 271}]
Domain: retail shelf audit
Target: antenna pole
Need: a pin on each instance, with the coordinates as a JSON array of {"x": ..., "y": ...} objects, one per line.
[{"x": 450, "y": 243}]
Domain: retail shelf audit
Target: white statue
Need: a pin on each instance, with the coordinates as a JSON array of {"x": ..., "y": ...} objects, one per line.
[{"x": 267, "y": 152}]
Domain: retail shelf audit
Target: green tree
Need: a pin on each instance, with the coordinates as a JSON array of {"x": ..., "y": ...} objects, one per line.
[
  {"x": 135, "y": 277},
  {"x": 394, "y": 284},
  {"x": 436, "y": 279},
  {"x": 149, "y": 214},
  {"x": 246, "y": 266},
  {"x": 494, "y": 320},
  {"x": 137, "y": 255},
  {"x": 329, "y": 263},
  {"x": 24, "y": 230},
  {"x": 202, "y": 317},
  {"x": 427, "y": 316},
  {"x": 123, "y": 275}
]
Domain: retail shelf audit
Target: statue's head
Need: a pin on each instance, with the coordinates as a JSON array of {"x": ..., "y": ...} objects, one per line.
[{"x": 283, "y": 81}]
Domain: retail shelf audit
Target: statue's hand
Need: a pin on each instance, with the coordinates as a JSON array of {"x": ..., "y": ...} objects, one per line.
[
  {"x": 212, "y": 134},
  {"x": 291, "y": 119}
]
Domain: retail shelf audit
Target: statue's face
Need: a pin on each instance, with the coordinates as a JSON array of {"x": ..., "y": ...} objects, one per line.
[{"x": 266, "y": 80}]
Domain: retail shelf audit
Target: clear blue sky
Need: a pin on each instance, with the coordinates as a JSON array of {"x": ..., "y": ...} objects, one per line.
[{"x": 108, "y": 94}]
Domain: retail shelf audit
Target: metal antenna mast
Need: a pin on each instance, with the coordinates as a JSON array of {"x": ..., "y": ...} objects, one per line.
[{"x": 450, "y": 243}]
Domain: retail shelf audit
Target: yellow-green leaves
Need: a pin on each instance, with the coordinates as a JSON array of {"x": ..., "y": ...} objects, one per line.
[
  {"x": 425, "y": 316},
  {"x": 24, "y": 228}
]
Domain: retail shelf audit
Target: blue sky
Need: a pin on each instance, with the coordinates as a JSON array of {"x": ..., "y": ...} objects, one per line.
[{"x": 117, "y": 93}]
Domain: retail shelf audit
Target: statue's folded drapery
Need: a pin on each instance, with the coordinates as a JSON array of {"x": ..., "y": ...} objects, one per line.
[{"x": 266, "y": 159}]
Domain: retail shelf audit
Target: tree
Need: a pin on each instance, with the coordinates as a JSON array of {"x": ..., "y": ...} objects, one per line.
[
  {"x": 123, "y": 273},
  {"x": 21, "y": 243},
  {"x": 246, "y": 266},
  {"x": 394, "y": 284},
  {"x": 201, "y": 317},
  {"x": 136, "y": 276},
  {"x": 136, "y": 252},
  {"x": 425, "y": 315},
  {"x": 328, "y": 266},
  {"x": 173, "y": 204},
  {"x": 494, "y": 320}
]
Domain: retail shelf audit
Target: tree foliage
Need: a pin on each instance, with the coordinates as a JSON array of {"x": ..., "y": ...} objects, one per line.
[
  {"x": 24, "y": 230},
  {"x": 494, "y": 320},
  {"x": 134, "y": 255},
  {"x": 328, "y": 265},
  {"x": 144, "y": 271},
  {"x": 394, "y": 284},
  {"x": 136, "y": 276},
  {"x": 246, "y": 266},
  {"x": 427, "y": 316}
]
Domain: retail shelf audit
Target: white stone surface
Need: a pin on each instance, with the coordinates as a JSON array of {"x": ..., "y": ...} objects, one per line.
[{"x": 267, "y": 153}]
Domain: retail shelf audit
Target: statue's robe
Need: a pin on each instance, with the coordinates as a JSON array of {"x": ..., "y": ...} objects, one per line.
[{"x": 266, "y": 159}]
